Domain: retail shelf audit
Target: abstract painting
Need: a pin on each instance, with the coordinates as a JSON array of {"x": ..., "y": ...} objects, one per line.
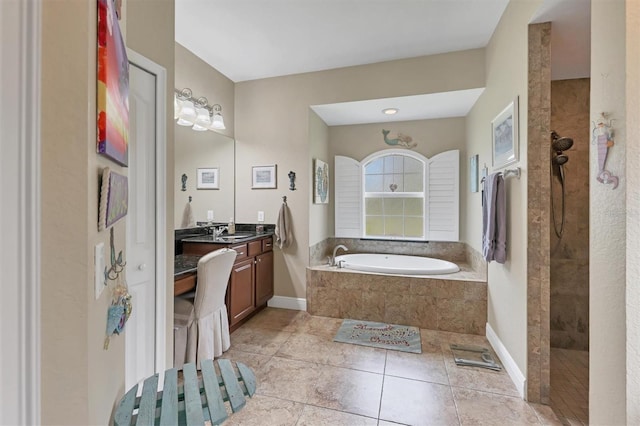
[{"x": 113, "y": 87}]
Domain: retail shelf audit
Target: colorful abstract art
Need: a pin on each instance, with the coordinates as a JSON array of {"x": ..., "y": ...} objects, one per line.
[{"x": 113, "y": 86}]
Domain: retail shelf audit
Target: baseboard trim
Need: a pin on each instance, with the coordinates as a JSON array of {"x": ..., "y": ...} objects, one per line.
[
  {"x": 282, "y": 302},
  {"x": 508, "y": 362}
]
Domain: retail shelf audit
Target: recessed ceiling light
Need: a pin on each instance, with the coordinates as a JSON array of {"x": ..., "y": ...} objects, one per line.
[{"x": 390, "y": 111}]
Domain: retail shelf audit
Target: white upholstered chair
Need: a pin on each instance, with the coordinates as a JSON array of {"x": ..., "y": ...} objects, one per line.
[{"x": 200, "y": 324}]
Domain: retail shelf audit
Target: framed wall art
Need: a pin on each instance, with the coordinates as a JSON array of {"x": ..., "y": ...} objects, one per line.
[
  {"x": 114, "y": 198},
  {"x": 113, "y": 87},
  {"x": 504, "y": 136},
  {"x": 208, "y": 178},
  {"x": 320, "y": 182},
  {"x": 264, "y": 177}
]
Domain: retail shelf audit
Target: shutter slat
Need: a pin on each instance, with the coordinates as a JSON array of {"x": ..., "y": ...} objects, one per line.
[{"x": 348, "y": 197}]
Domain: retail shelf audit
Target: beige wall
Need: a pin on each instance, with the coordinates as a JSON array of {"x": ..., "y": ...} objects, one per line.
[
  {"x": 272, "y": 127},
  {"x": 607, "y": 355},
  {"x": 633, "y": 211},
  {"x": 506, "y": 78},
  {"x": 320, "y": 215},
  {"x": 432, "y": 137},
  {"x": 80, "y": 380}
]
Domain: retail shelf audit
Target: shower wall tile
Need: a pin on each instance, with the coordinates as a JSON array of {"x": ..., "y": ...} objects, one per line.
[{"x": 570, "y": 255}]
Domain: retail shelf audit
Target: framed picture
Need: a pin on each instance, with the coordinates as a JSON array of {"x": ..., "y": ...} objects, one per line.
[
  {"x": 113, "y": 87},
  {"x": 114, "y": 198},
  {"x": 473, "y": 173},
  {"x": 208, "y": 178},
  {"x": 320, "y": 182},
  {"x": 504, "y": 136},
  {"x": 264, "y": 177}
]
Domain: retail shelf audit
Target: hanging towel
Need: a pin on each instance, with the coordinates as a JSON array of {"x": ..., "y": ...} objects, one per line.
[
  {"x": 283, "y": 232},
  {"x": 187, "y": 217},
  {"x": 494, "y": 219}
]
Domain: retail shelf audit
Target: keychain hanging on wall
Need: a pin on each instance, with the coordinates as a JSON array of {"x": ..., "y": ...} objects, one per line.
[{"x": 120, "y": 309}]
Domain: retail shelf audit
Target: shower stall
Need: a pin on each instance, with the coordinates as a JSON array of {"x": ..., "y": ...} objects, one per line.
[{"x": 569, "y": 247}]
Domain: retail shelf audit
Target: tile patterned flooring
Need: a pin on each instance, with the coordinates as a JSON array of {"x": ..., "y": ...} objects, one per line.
[
  {"x": 304, "y": 378},
  {"x": 570, "y": 385}
]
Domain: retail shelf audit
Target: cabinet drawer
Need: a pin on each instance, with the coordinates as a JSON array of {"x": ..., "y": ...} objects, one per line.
[
  {"x": 255, "y": 248},
  {"x": 267, "y": 244},
  {"x": 241, "y": 249},
  {"x": 184, "y": 285}
]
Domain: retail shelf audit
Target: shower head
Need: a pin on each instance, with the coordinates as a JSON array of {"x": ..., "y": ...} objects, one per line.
[
  {"x": 559, "y": 143},
  {"x": 560, "y": 159}
]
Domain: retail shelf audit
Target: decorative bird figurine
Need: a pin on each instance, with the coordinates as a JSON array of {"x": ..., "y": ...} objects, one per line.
[{"x": 400, "y": 140}]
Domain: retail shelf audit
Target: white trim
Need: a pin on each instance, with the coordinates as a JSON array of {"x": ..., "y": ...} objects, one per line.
[
  {"x": 20, "y": 51},
  {"x": 508, "y": 362},
  {"x": 161, "y": 205},
  {"x": 282, "y": 302}
]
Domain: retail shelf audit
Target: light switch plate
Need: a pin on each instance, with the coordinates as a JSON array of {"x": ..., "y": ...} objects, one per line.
[
  {"x": 209, "y": 214},
  {"x": 99, "y": 266},
  {"x": 260, "y": 216}
]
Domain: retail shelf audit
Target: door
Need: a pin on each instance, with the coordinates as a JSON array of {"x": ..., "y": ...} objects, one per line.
[
  {"x": 141, "y": 226},
  {"x": 264, "y": 278},
  {"x": 241, "y": 294}
]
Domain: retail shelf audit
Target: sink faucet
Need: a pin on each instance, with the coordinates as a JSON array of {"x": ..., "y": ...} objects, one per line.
[
  {"x": 332, "y": 260},
  {"x": 219, "y": 230}
]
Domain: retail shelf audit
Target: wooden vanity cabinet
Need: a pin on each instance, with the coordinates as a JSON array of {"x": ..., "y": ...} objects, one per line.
[{"x": 251, "y": 281}]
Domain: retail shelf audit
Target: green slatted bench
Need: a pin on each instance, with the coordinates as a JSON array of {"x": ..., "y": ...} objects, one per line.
[{"x": 194, "y": 402}]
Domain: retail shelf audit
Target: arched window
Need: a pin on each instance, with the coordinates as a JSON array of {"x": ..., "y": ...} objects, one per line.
[{"x": 398, "y": 195}]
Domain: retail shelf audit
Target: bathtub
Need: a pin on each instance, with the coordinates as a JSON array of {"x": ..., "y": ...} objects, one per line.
[{"x": 396, "y": 264}]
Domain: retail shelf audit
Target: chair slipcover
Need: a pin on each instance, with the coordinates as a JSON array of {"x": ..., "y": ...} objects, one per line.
[{"x": 201, "y": 325}]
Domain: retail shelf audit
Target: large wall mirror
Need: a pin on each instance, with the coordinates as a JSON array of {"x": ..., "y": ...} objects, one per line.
[{"x": 208, "y": 161}]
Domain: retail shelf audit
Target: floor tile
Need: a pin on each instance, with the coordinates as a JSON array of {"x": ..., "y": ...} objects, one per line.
[
  {"x": 263, "y": 410},
  {"x": 481, "y": 379},
  {"x": 427, "y": 366},
  {"x": 352, "y": 391},
  {"x": 317, "y": 416},
  {"x": 277, "y": 319},
  {"x": 417, "y": 403},
  {"x": 546, "y": 414},
  {"x": 386, "y": 423},
  {"x": 258, "y": 341},
  {"x": 288, "y": 379},
  {"x": 307, "y": 347},
  {"x": 319, "y": 326},
  {"x": 254, "y": 361},
  {"x": 483, "y": 408}
]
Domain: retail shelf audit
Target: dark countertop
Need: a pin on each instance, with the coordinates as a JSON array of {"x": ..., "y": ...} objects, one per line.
[
  {"x": 185, "y": 264},
  {"x": 238, "y": 237}
]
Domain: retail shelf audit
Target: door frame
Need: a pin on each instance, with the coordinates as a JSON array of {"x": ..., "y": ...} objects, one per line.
[
  {"x": 21, "y": 211},
  {"x": 161, "y": 204}
]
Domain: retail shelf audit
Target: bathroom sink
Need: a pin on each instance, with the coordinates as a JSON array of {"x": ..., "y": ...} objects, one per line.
[{"x": 237, "y": 236}]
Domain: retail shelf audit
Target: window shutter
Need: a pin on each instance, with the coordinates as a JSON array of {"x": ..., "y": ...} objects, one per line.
[
  {"x": 443, "y": 197},
  {"x": 348, "y": 197}
]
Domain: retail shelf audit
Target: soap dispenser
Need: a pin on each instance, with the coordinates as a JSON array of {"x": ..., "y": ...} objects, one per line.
[{"x": 231, "y": 228}]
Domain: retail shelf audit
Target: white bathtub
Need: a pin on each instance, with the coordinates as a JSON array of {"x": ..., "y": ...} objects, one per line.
[{"x": 396, "y": 264}]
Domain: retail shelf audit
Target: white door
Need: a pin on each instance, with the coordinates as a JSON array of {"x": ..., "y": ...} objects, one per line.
[{"x": 141, "y": 226}]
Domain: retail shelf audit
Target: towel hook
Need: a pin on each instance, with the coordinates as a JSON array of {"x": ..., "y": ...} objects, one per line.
[
  {"x": 284, "y": 199},
  {"x": 190, "y": 198}
]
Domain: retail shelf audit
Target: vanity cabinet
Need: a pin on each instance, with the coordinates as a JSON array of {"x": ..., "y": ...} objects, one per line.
[{"x": 251, "y": 281}]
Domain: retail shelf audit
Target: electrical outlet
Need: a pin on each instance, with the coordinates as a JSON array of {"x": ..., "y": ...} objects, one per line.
[
  {"x": 209, "y": 214},
  {"x": 260, "y": 216},
  {"x": 99, "y": 265}
]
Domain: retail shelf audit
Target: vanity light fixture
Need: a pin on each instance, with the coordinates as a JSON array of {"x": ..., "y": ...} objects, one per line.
[
  {"x": 390, "y": 111},
  {"x": 196, "y": 113}
]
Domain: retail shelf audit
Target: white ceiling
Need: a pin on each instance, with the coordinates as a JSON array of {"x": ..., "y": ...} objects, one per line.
[
  {"x": 253, "y": 39},
  {"x": 418, "y": 107}
]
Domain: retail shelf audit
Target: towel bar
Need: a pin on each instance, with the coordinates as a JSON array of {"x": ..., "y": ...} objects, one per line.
[{"x": 508, "y": 172}]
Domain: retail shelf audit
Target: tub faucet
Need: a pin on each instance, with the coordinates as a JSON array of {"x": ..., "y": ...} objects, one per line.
[{"x": 332, "y": 260}]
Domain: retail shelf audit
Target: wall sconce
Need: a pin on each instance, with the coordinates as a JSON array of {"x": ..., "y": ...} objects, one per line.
[{"x": 196, "y": 113}]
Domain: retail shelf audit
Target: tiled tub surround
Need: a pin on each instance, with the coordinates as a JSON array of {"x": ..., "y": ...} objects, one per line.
[{"x": 452, "y": 302}]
